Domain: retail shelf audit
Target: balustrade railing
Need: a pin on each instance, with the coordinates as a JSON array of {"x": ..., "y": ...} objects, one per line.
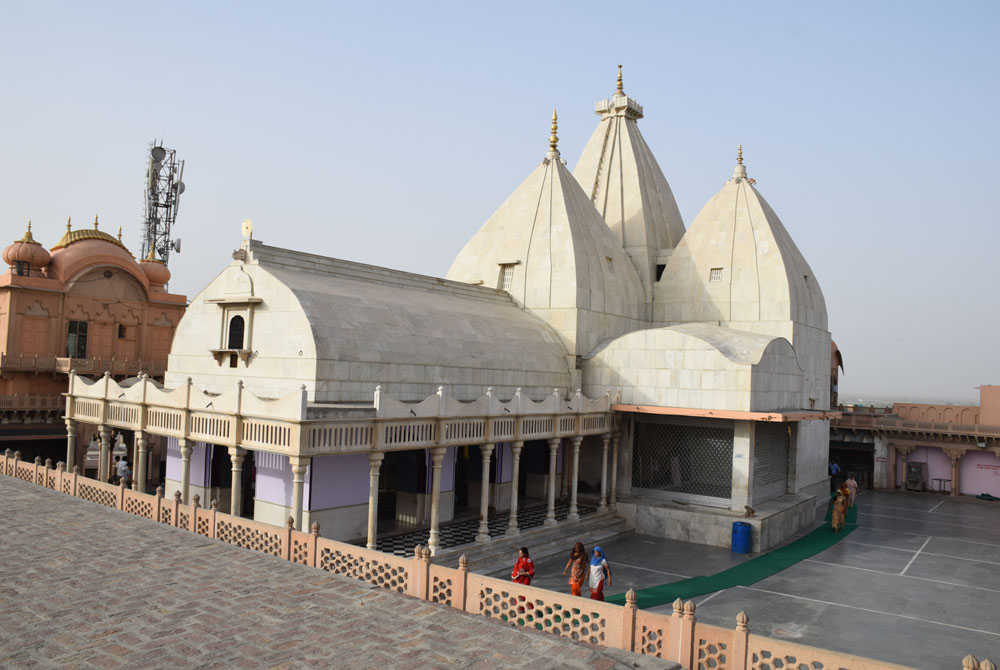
[
  {"x": 32, "y": 402},
  {"x": 678, "y": 637}
]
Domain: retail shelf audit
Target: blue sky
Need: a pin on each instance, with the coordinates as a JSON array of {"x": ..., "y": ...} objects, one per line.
[{"x": 388, "y": 133}]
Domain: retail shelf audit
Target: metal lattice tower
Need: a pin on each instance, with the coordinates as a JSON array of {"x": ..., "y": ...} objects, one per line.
[{"x": 163, "y": 190}]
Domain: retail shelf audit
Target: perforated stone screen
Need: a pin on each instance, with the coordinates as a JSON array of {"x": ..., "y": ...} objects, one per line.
[{"x": 688, "y": 460}]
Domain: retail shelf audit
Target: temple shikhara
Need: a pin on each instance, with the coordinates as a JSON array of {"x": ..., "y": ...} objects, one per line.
[{"x": 584, "y": 356}]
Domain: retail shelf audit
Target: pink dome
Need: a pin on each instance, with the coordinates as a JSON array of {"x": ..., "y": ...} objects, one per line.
[
  {"x": 27, "y": 250},
  {"x": 155, "y": 270}
]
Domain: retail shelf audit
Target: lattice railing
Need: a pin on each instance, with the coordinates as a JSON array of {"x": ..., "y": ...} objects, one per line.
[
  {"x": 384, "y": 570},
  {"x": 678, "y": 637}
]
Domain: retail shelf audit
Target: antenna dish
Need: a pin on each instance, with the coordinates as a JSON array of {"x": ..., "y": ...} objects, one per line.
[
  {"x": 158, "y": 153},
  {"x": 179, "y": 187},
  {"x": 176, "y": 244}
]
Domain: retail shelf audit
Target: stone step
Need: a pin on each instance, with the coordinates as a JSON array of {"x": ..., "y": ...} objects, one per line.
[{"x": 543, "y": 541}]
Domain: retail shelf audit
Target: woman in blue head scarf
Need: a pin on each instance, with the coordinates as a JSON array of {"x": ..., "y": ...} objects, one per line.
[{"x": 600, "y": 572}]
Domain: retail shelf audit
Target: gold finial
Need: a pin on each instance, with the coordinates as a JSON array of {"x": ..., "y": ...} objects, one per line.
[
  {"x": 95, "y": 222},
  {"x": 620, "y": 89},
  {"x": 151, "y": 256},
  {"x": 69, "y": 224},
  {"x": 739, "y": 156},
  {"x": 554, "y": 139},
  {"x": 27, "y": 234},
  {"x": 119, "y": 233}
]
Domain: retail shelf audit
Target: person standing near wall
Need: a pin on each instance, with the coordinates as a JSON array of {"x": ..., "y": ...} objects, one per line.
[
  {"x": 600, "y": 574},
  {"x": 577, "y": 565}
]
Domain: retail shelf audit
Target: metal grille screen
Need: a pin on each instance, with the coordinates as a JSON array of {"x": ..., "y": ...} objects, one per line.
[
  {"x": 770, "y": 461},
  {"x": 695, "y": 461}
]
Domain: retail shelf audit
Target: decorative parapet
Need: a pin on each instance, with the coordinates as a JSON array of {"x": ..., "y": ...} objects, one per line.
[
  {"x": 676, "y": 636},
  {"x": 238, "y": 418}
]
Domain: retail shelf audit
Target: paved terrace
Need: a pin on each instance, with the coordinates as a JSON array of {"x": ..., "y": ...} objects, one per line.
[
  {"x": 917, "y": 584},
  {"x": 84, "y": 586}
]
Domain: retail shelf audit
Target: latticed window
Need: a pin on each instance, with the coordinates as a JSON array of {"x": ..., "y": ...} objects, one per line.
[
  {"x": 506, "y": 276},
  {"x": 715, "y": 274},
  {"x": 689, "y": 461}
]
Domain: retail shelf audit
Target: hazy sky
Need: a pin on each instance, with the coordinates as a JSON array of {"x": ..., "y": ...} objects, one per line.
[{"x": 388, "y": 133}]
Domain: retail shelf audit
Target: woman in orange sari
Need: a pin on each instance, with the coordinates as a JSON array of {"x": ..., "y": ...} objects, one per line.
[
  {"x": 839, "y": 512},
  {"x": 577, "y": 565}
]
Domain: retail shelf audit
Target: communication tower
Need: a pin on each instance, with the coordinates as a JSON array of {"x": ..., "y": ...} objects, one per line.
[{"x": 163, "y": 192}]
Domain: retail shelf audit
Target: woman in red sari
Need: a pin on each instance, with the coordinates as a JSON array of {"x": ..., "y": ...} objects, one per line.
[{"x": 524, "y": 569}]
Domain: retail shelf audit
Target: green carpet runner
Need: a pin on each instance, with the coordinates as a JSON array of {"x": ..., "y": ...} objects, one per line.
[{"x": 749, "y": 572}]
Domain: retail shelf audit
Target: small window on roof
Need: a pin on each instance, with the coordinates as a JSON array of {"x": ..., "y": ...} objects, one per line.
[
  {"x": 506, "y": 276},
  {"x": 236, "y": 326},
  {"x": 659, "y": 270},
  {"x": 715, "y": 274},
  {"x": 611, "y": 266}
]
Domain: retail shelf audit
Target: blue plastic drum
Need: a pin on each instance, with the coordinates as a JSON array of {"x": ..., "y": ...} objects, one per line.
[{"x": 741, "y": 537}]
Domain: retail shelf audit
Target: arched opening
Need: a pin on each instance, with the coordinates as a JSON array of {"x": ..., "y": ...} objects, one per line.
[{"x": 236, "y": 327}]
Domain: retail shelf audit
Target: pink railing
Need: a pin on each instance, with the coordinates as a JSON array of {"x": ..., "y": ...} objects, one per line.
[{"x": 678, "y": 637}]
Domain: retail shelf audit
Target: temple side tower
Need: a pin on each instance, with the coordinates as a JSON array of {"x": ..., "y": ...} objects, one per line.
[{"x": 620, "y": 175}]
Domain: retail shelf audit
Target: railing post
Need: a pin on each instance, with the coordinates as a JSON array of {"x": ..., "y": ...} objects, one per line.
[
  {"x": 970, "y": 662},
  {"x": 6, "y": 458},
  {"x": 158, "y": 505},
  {"x": 686, "y": 650},
  {"x": 195, "y": 506},
  {"x": 121, "y": 494},
  {"x": 313, "y": 549},
  {"x": 673, "y": 643},
  {"x": 175, "y": 516},
  {"x": 628, "y": 621},
  {"x": 38, "y": 466},
  {"x": 60, "y": 474},
  {"x": 286, "y": 539},
  {"x": 211, "y": 518},
  {"x": 741, "y": 636},
  {"x": 76, "y": 476},
  {"x": 420, "y": 572},
  {"x": 461, "y": 584}
]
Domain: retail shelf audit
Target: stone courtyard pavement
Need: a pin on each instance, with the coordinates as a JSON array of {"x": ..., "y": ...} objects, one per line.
[
  {"x": 84, "y": 586},
  {"x": 917, "y": 584}
]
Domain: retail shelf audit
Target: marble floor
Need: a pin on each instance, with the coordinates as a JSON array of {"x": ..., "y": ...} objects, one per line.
[{"x": 917, "y": 584}]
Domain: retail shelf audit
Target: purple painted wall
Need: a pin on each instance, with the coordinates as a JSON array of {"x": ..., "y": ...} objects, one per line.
[
  {"x": 979, "y": 473},
  {"x": 274, "y": 480},
  {"x": 200, "y": 455},
  {"x": 504, "y": 462},
  {"x": 339, "y": 481}
]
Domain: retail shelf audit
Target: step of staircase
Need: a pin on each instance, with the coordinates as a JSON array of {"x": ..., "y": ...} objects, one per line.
[{"x": 542, "y": 542}]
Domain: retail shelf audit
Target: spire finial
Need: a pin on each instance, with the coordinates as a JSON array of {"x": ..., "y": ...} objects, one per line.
[
  {"x": 151, "y": 256},
  {"x": 69, "y": 223},
  {"x": 620, "y": 88},
  {"x": 554, "y": 139},
  {"x": 27, "y": 234},
  {"x": 739, "y": 155},
  {"x": 95, "y": 222},
  {"x": 119, "y": 233}
]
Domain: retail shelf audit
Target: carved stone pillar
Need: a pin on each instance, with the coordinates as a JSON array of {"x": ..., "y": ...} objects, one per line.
[
  {"x": 483, "y": 535},
  {"x": 605, "y": 441},
  {"x": 515, "y": 452},
  {"x": 612, "y": 499},
  {"x": 104, "y": 466},
  {"x": 185, "y": 446},
  {"x": 956, "y": 463},
  {"x": 574, "y": 481},
  {"x": 70, "y": 444},
  {"x": 236, "y": 455},
  {"x": 550, "y": 512},
  {"x": 142, "y": 458},
  {"x": 437, "y": 460},
  {"x": 374, "y": 465},
  {"x": 299, "y": 466}
]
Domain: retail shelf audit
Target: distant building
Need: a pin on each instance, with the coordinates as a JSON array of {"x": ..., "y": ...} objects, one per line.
[
  {"x": 952, "y": 449},
  {"x": 580, "y": 327},
  {"x": 85, "y": 305}
]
